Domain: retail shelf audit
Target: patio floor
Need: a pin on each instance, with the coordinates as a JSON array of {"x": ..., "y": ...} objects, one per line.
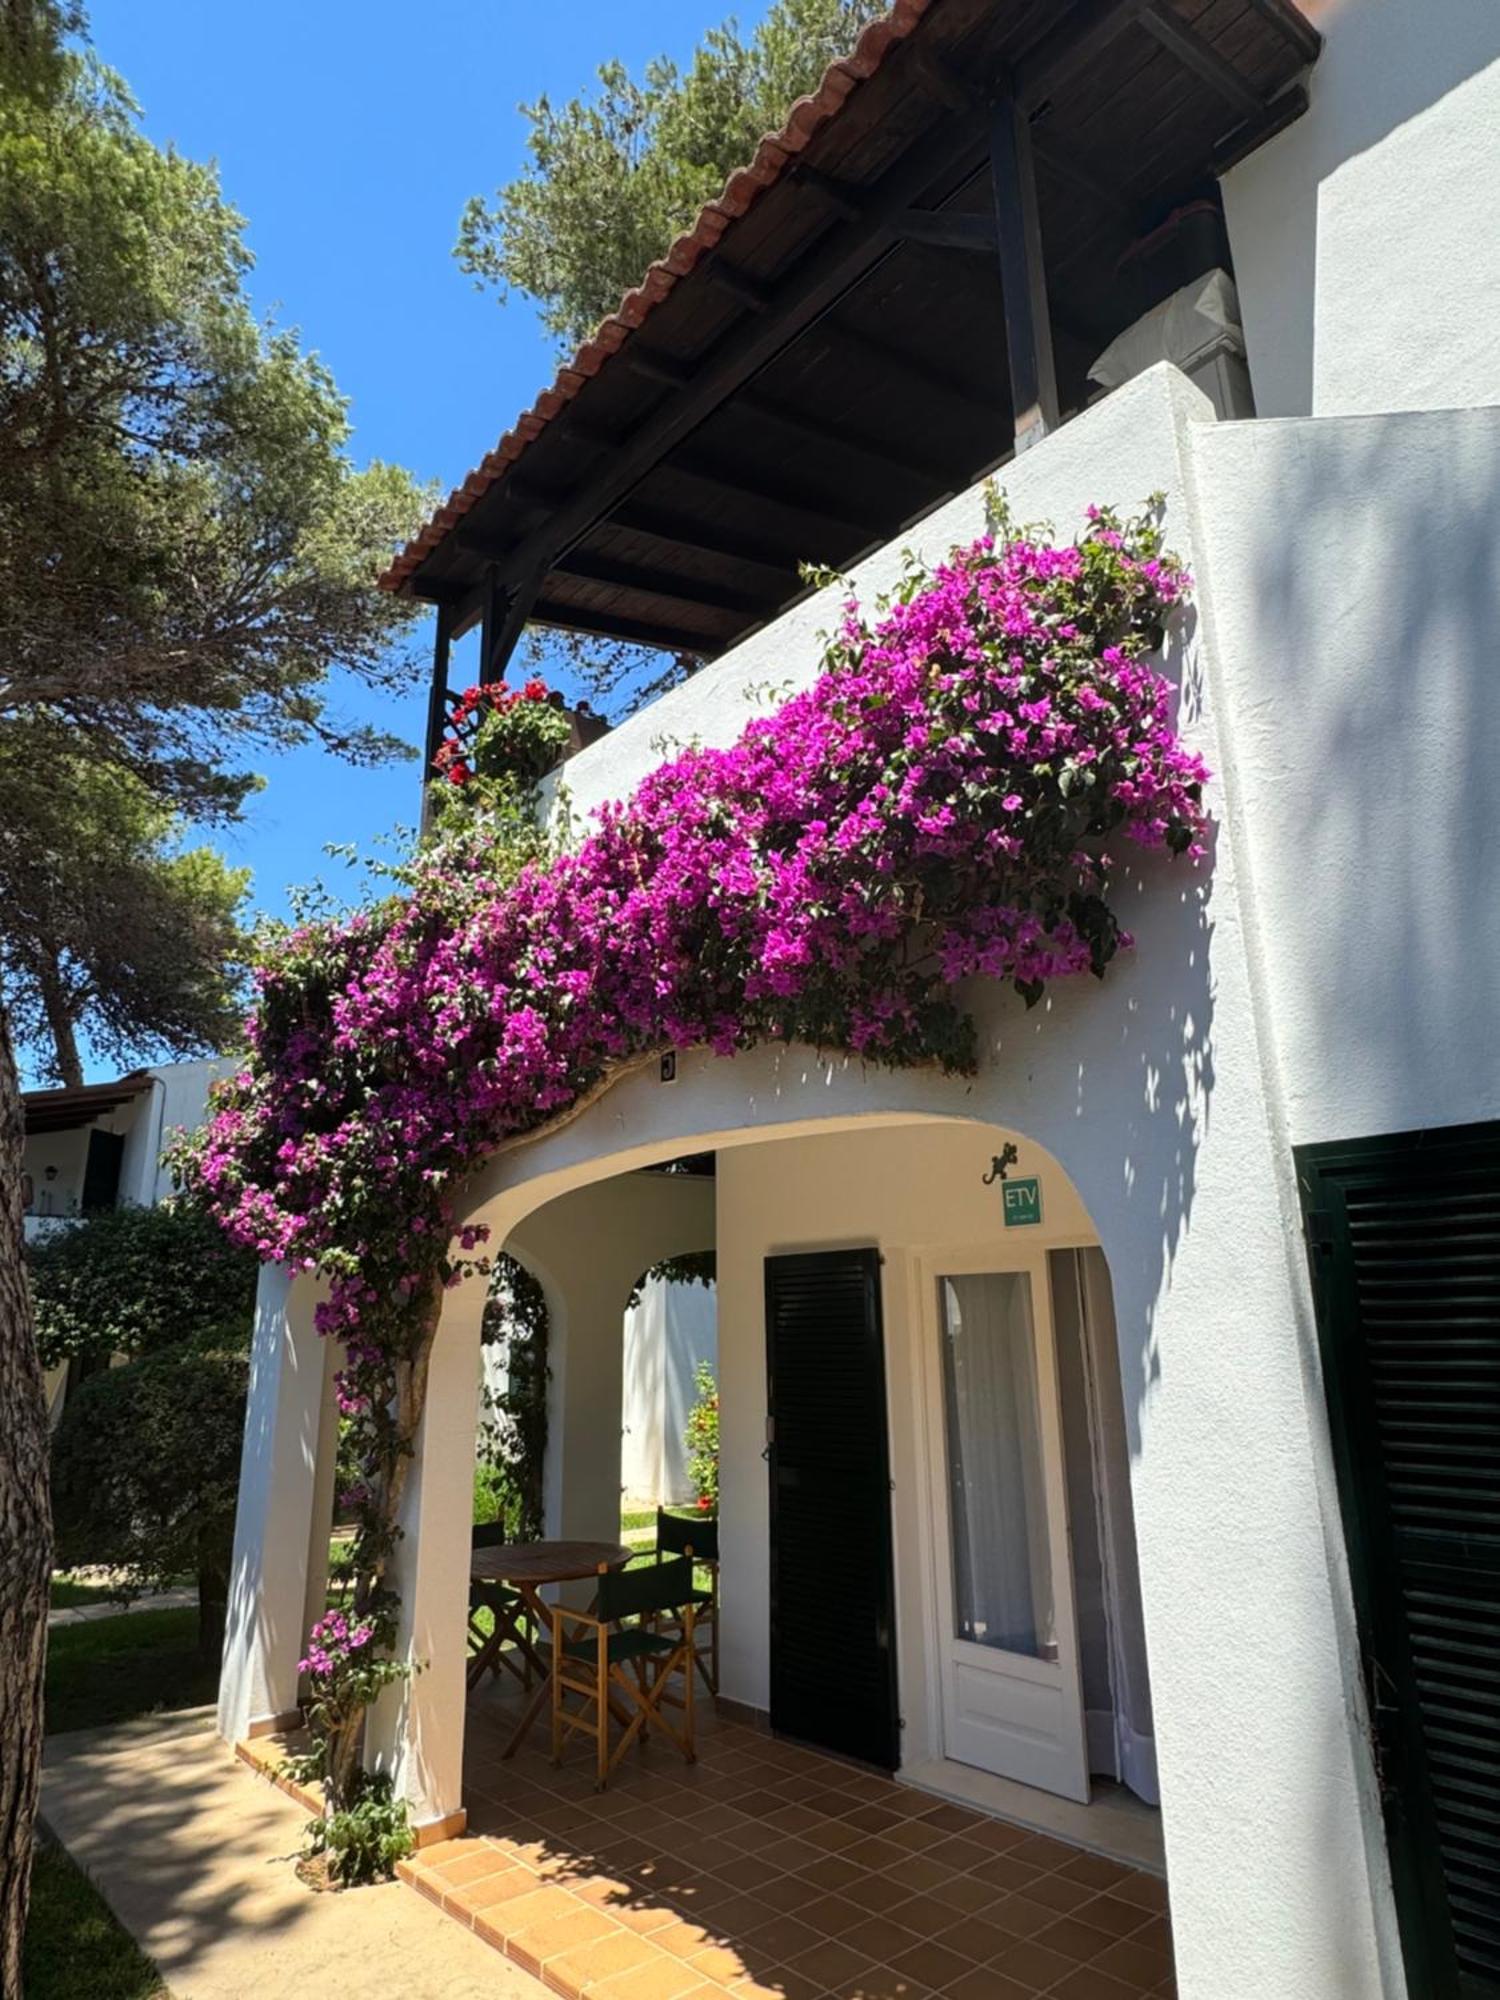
[{"x": 770, "y": 1870}]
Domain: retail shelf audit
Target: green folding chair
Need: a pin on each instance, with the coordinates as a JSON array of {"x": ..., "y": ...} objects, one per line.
[
  {"x": 675, "y": 1535},
  {"x": 615, "y": 1659}
]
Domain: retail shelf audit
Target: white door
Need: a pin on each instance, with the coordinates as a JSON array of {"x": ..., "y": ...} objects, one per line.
[{"x": 1007, "y": 1636}]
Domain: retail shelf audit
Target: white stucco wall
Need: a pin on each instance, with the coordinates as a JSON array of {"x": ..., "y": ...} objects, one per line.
[
  {"x": 1351, "y": 578},
  {"x": 1364, "y": 239},
  {"x": 671, "y": 1330},
  {"x": 1151, "y": 1093},
  {"x": 910, "y": 1191}
]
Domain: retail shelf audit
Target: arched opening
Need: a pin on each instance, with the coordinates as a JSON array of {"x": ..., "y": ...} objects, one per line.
[{"x": 966, "y": 1452}]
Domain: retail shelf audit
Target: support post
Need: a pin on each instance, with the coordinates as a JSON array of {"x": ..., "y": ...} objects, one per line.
[
  {"x": 416, "y": 1729},
  {"x": 280, "y": 1470},
  {"x": 1028, "y": 330}
]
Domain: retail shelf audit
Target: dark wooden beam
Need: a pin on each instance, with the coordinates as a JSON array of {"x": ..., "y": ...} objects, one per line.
[
  {"x": 838, "y": 437},
  {"x": 636, "y": 632},
  {"x": 749, "y": 292},
  {"x": 1023, "y": 280},
  {"x": 1202, "y": 58},
  {"x": 767, "y": 488},
  {"x": 703, "y": 537},
  {"x": 817, "y": 283},
  {"x": 1293, "y": 27},
  {"x": 655, "y": 365},
  {"x": 948, "y": 231},
  {"x": 1065, "y": 165},
  {"x": 1083, "y": 33},
  {"x": 667, "y": 585},
  {"x": 1280, "y": 112},
  {"x": 886, "y": 353},
  {"x": 850, "y": 202},
  {"x": 437, "y": 698}
]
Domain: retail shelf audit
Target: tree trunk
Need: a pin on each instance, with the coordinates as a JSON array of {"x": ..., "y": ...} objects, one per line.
[
  {"x": 213, "y": 1602},
  {"x": 25, "y": 1541},
  {"x": 60, "y": 1024}
]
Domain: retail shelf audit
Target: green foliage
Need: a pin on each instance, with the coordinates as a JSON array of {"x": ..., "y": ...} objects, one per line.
[
  {"x": 613, "y": 178},
  {"x": 693, "y": 1267},
  {"x": 74, "y": 1946},
  {"x": 133, "y": 1281},
  {"x": 145, "y": 1474},
  {"x": 186, "y": 549},
  {"x": 702, "y": 1438},
  {"x": 513, "y": 1436},
  {"x": 365, "y": 1839},
  {"x": 112, "y": 924}
]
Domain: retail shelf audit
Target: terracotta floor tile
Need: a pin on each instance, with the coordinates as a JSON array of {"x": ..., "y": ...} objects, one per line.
[
  {"x": 790, "y": 1893},
  {"x": 719, "y": 1962},
  {"x": 834, "y": 1834},
  {"x": 748, "y": 1872},
  {"x": 833, "y": 1963},
  {"x": 835, "y": 1916},
  {"x": 953, "y": 1819},
  {"x": 781, "y": 1938},
  {"x": 1021, "y": 1916},
  {"x": 1089, "y": 1983},
  {"x": 781, "y": 1983},
  {"x": 683, "y": 1938},
  {"x": 876, "y": 1892},
  {"x": 578, "y": 1927},
  {"x": 502, "y": 1888},
  {"x": 1065, "y": 1895},
  {"x": 884, "y": 1938},
  {"x": 793, "y": 1852},
  {"x": 664, "y": 1979},
  {"x": 1075, "y": 1939},
  {"x": 1146, "y": 1965},
  {"x": 873, "y": 1819},
  {"x": 1094, "y": 1869},
  {"x": 925, "y": 1915},
  {"x": 984, "y": 1983},
  {"x": 1147, "y": 1892},
  {"x": 834, "y": 1872},
  {"x": 1106, "y": 1912},
  {"x": 974, "y": 1938},
  {"x": 965, "y": 1896},
  {"x": 935, "y": 1963},
  {"x": 874, "y": 1852},
  {"x": 884, "y": 1982},
  {"x": 1043, "y": 1852},
  {"x": 960, "y": 1853},
  {"x": 1033, "y": 1964}
]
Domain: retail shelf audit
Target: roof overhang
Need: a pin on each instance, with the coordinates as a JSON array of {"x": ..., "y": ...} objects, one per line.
[
  {"x": 818, "y": 362},
  {"x": 70, "y": 1110}
]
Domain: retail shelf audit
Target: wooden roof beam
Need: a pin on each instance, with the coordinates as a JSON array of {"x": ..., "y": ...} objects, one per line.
[
  {"x": 665, "y": 585},
  {"x": 1200, "y": 56},
  {"x": 634, "y": 631},
  {"x": 766, "y": 488},
  {"x": 702, "y": 537}
]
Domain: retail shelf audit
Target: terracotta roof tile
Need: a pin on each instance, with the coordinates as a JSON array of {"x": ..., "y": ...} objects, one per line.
[{"x": 745, "y": 185}]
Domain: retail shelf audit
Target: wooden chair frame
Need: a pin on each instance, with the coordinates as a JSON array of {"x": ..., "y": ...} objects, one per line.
[
  {"x": 632, "y": 1689},
  {"x": 705, "y": 1657}
]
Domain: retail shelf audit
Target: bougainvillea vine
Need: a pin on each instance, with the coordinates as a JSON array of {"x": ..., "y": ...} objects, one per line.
[{"x": 944, "y": 801}]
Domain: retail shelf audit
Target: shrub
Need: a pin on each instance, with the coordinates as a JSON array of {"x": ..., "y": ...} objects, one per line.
[
  {"x": 133, "y": 1280},
  {"x": 145, "y": 1474},
  {"x": 364, "y": 1841},
  {"x": 702, "y": 1439}
]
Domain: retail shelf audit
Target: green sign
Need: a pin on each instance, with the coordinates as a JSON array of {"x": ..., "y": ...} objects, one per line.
[{"x": 1022, "y": 1200}]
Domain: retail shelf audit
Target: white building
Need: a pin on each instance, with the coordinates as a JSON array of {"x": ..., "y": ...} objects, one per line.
[
  {"x": 1232, "y": 1467},
  {"x": 99, "y": 1145}
]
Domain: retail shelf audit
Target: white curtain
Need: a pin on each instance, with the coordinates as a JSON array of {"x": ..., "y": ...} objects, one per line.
[
  {"x": 1111, "y": 1630},
  {"x": 1002, "y": 1573}
]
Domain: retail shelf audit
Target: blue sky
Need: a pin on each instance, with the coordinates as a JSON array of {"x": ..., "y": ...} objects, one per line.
[{"x": 350, "y": 137}]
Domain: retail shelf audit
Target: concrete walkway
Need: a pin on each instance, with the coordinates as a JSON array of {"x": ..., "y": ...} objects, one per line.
[
  {"x": 194, "y": 1855},
  {"x": 155, "y": 1600}
]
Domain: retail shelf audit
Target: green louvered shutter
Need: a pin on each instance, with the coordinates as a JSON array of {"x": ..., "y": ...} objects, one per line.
[{"x": 1404, "y": 1239}]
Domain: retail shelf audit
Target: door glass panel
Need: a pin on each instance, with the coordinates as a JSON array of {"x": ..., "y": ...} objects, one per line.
[{"x": 1002, "y": 1568}]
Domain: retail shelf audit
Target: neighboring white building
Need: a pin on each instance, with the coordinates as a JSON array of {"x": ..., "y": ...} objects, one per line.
[
  {"x": 1213, "y": 1512},
  {"x": 99, "y": 1146}
]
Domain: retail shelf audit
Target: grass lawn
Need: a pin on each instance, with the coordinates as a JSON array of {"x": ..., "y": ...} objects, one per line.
[
  {"x": 113, "y": 1668},
  {"x": 74, "y": 1947}
]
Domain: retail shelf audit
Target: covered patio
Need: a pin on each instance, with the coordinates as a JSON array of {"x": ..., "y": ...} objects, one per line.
[{"x": 769, "y": 1869}]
